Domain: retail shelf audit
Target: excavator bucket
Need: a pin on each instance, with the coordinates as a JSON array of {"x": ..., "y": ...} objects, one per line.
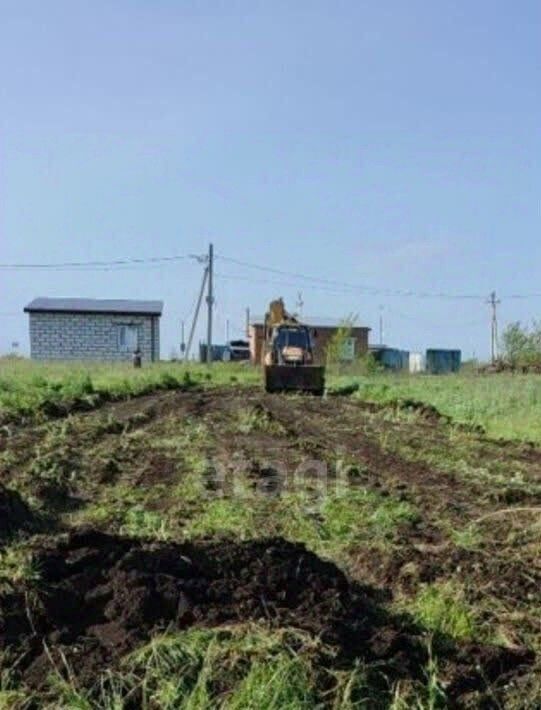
[{"x": 295, "y": 378}]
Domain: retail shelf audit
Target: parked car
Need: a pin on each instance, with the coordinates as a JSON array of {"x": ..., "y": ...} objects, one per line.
[{"x": 236, "y": 350}]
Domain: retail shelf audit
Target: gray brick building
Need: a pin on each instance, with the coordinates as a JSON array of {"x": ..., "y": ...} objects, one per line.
[{"x": 93, "y": 329}]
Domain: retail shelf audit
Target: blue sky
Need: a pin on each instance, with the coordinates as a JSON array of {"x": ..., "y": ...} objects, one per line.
[{"x": 391, "y": 145}]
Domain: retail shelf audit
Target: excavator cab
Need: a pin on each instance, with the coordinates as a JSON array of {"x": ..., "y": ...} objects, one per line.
[
  {"x": 292, "y": 345},
  {"x": 289, "y": 360}
]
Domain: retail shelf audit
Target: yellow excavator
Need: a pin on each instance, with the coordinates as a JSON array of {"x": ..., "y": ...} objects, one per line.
[{"x": 288, "y": 354}]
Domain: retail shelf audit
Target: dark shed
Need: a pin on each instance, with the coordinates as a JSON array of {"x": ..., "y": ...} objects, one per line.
[{"x": 440, "y": 362}]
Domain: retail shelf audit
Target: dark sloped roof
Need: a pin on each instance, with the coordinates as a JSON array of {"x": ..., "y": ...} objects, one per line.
[{"x": 95, "y": 305}]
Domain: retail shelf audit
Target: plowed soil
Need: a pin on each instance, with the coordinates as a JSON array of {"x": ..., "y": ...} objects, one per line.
[
  {"x": 15, "y": 515},
  {"x": 106, "y": 586},
  {"x": 102, "y": 595}
]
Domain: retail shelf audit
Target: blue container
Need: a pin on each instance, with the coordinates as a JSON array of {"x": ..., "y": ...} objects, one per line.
[
  {"x": 392, "y": 358},
  {"x": 441, "y": 362},
  {"x": 405, "y": 360}
]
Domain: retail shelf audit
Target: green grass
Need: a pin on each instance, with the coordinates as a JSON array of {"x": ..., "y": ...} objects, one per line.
[
  {"x": 339, "y": 522},
  {"x": 27, "y": 387},
  {"x": 10, "y": 699},
  {"x": 128, "y": 510},
  {"x": 239, "y": 667},
  {"x": 17, "y": 567},
  {"x": 468, "y": 538},
  {"x": 505, "y": 405},
  {"x": 234, "y": 668},
  {"x": 258, "y": 420},
  {"x": 361, "y": 515},
  {"x": 442, "y": 609},
  {"x": 139, "y": 522},
  {"x": 57, "y": 462},
  {"x": 225, "y": 517},
  {"x": 330, "y": 526}
]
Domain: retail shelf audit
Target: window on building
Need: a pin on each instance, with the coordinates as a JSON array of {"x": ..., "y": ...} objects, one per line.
[
  {"x": 348, "y": 350},
  {"x": 128, "y": 338}
]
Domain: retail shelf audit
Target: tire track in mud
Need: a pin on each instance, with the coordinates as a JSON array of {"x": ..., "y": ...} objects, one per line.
[
  {"x": 332, "y": 426},
  {"x": 337, "y": 428},
  {"x": 312, "y": 428}
]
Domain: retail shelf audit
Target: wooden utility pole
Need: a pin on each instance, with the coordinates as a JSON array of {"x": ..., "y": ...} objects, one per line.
[
  {"x": 494, "y": 303},
  {"x": 248, "y": 322},
  {"x": 210, "y": 302}
]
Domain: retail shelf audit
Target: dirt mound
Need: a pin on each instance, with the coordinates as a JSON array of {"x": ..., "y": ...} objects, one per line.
[
  {"x": 102, "y": 595},
  {"x": 424, "y": 410},
  {"x": 15, "y": 514}
]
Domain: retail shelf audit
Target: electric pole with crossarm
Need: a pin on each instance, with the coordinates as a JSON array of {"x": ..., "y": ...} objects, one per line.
[
  {"x": 494, "y": 303},
  {"x": 210, "y": 301}
]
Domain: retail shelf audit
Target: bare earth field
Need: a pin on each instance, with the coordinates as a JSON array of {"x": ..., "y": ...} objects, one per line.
[{"x": 227, "y": 548}]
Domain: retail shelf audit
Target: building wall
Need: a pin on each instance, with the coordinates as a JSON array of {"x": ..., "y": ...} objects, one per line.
[
  {"x": 90, "y": 336},
  {"x": 324, "y": 335},
  {"x": 255, "y": 338}
]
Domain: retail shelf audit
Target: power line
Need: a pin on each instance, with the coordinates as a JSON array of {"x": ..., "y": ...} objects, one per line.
[
  {"x": 364, "y": 287},
  {"x": 311, "y": 281},
  {"x": 373, "y": 290},
  {"x": 280, "y": 272},
  {"x": 91, "y": 264},
  {"x": 277, "y": 282},
  {"x": 342, "y": 287},
  {"x": 523, "y": 295}
]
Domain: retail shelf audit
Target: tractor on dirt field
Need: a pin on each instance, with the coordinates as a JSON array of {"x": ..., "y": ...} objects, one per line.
[{"x": 288, "y": 354}]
